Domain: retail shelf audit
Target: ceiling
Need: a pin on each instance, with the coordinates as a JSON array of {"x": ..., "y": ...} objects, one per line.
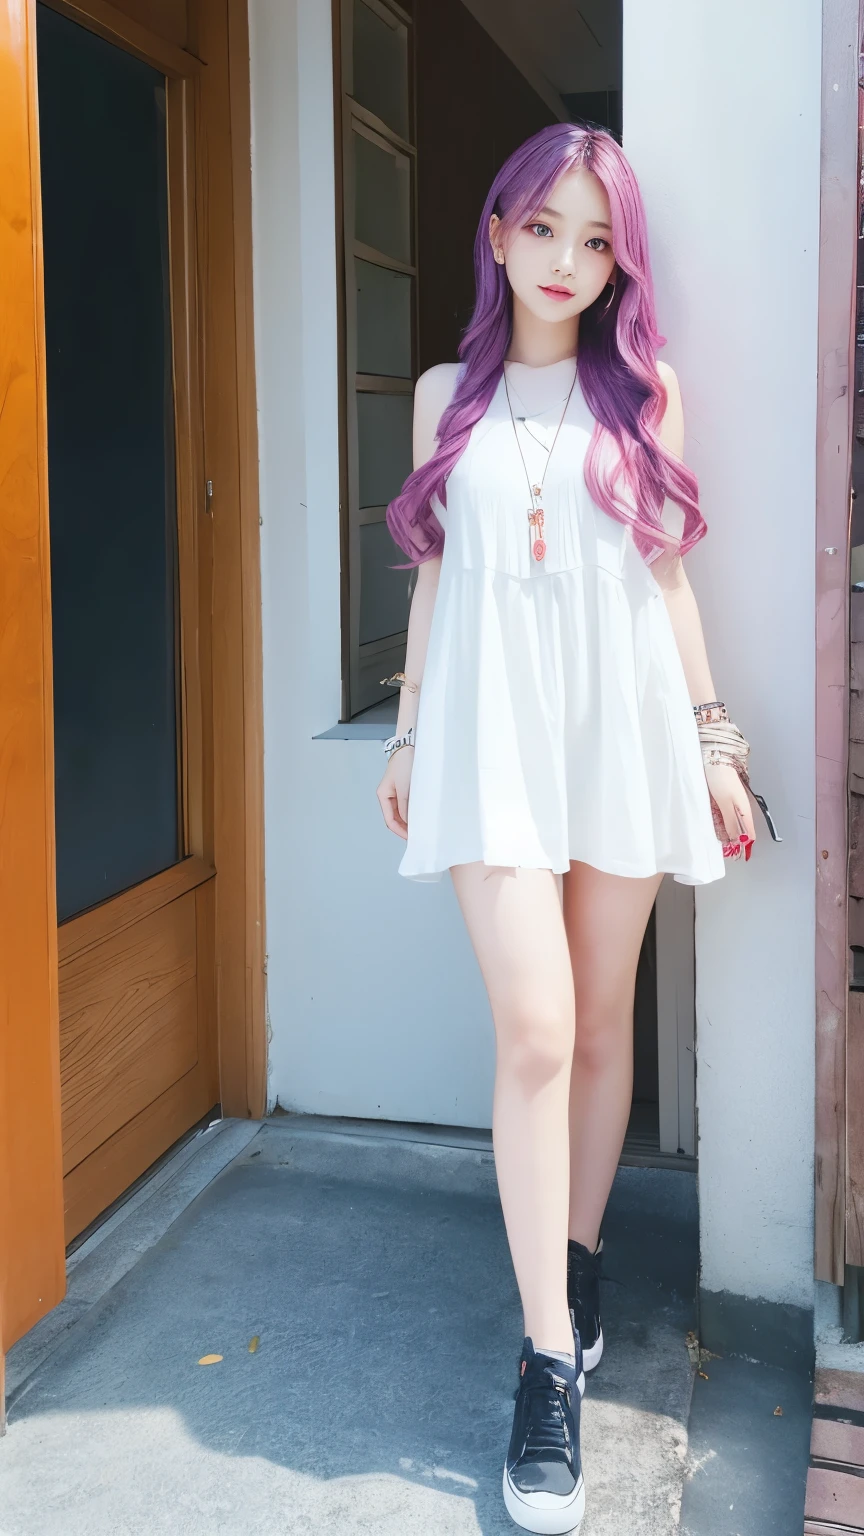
[{"x": 568, "y": 45}]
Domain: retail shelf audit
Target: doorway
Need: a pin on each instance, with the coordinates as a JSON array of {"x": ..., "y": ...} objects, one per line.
[
  {"x": 136, "y": 578},
  {"x": 420, "y": 81},
  {"x": 135, "y": 906}
]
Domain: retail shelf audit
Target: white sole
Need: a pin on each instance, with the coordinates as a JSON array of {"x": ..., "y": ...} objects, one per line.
[
  {"x": 546, "y": 1514},
  {"x": 591, "y": 1357}
]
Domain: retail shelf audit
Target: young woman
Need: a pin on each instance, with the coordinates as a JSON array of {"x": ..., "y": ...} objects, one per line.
[{"x": 554, "y": 659}]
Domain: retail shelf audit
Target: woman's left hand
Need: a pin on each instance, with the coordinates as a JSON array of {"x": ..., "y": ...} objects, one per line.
[{"x": 731, "y": 799}]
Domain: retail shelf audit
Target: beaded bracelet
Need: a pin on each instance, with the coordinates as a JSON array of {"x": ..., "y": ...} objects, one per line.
[{"x": 710, "y": 714}]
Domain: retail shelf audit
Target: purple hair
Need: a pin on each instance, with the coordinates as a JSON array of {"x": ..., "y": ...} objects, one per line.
[{"x": 618, "y": 342}]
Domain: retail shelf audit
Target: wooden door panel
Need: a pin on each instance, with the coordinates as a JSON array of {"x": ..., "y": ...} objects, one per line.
[
  {"x": 128, "y": 1024},
  {"x": 136, "y": 1039},
  {"x": 208, "y": 112},
  {"x": 136, "y": 985},
  {"x": 112, "y": 916},
  {"x": 103, "y": 1176}
]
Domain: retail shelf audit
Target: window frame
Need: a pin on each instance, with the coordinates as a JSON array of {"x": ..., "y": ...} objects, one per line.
[{"x": 363, "y": 665}]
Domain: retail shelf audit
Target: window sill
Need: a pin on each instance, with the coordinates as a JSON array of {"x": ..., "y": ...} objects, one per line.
[
  {"x": 375, "y": 724},
  {"x": 358, "y": 730}
]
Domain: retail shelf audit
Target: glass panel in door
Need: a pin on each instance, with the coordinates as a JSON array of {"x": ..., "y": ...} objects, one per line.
[
  {"x": 111, "y": 463},
  {"x": 381, "y": 66},
  {"x": 382, "y": 197},
  {"x": 384, "y": 302}
]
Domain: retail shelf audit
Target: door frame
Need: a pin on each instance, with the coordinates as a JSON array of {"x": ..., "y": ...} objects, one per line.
[
  {"x": 834, "y": 427},
  {"x": 32, "y": 1269},
  {"x": 214, "y": 72}
]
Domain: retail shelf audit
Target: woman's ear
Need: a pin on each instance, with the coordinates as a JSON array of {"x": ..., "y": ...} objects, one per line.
[{"x": 494, "y": 239}]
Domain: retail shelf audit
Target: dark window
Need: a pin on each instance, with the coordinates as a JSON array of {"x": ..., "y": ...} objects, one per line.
[
  {"x": 378, "y": 179},
  {"x": 110, "y": 463}
]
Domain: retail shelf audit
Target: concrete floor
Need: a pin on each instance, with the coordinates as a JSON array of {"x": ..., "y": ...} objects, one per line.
[
  {"x": 747, "y": 1466},
  {"x": 376, "y": 1276}
]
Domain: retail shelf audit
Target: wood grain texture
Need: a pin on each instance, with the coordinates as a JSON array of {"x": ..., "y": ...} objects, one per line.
[
  {"x": 103, "y": 1175},
  {"x": 118, "y": 24},
  {"x": 139, "y": 988},
  {"x": 128, "y": 1024},
  {"x": 205, "y": 979},
  {"x": 194, "y": 525},
  {"x": 224, "y": 222},
  {"x": 137, "y": 1002},
  {"x": 108, "y": 1171},
  {"x": 838, "y": 215},
  {"x": 120, "y": 912},
  {"x": 32, "y": 1270},
  {"x": 253, "y": 645}
]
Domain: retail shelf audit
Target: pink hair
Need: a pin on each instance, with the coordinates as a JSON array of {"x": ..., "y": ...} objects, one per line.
[{"x": 618, "y": 343}]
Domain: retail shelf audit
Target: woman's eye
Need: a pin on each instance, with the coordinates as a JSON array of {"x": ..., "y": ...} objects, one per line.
[
  {"x": 542, "y": 230},
  {"x": 598, "y": 244}
]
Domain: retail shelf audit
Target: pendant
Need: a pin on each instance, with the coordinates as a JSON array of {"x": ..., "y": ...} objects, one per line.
[{"x": 536, "y": 518}]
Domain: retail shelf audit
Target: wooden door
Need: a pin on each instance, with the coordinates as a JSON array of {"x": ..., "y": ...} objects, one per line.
[
  {"x": 161, "y": 973},
  {"x": 131, "y": 560}
]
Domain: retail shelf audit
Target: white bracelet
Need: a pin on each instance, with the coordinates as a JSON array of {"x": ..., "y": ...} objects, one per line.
[{"x": 393, "y": 743}]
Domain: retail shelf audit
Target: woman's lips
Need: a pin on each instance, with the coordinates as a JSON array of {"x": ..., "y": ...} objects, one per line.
[{"x": 555, "y": 292}]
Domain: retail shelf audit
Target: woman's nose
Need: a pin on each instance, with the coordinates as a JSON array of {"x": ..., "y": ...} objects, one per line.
[{"x": 565, "y": 264}]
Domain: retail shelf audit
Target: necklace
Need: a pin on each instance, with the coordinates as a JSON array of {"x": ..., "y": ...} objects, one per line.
[
  {"x": 536, "y": 515},
  {"x": 533, "y": 415}
]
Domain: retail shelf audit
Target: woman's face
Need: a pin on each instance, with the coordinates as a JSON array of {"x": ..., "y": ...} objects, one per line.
[{"x": 561, "y": 261}]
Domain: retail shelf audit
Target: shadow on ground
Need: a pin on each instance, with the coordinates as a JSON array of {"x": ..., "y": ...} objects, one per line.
[{"x": 379, "y": 1400}]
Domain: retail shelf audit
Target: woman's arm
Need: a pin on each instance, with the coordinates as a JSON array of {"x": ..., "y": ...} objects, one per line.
[
  {"x": 431, "y": 397},
  {"x": 723, "y": 782}
]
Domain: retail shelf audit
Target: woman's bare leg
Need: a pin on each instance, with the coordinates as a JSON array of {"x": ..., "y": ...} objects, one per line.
[
  {"x": 605, "y": 918},
  {"x": 516, "y": 926}
]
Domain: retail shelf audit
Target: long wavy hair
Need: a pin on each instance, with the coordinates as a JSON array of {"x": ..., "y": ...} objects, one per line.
[{"x": 628, "y": 471}]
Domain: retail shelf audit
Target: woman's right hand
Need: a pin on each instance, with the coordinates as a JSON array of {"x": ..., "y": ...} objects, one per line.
[{"x": 393, "y": 791}]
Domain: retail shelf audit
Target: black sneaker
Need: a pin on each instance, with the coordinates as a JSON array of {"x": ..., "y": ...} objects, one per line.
[
  {"x": 583, "y": 1299},
  {"x": 543, "y": 1488}
]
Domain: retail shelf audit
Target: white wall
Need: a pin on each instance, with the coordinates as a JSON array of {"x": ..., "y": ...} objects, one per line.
[
  {"x": 721, "y": 121},
  {"x": 375, "y": 1002},
  {"x": 376, "y": 1007}
]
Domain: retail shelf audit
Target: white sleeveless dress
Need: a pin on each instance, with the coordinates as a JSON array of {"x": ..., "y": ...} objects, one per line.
[{"x": 554, "y": 719}]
